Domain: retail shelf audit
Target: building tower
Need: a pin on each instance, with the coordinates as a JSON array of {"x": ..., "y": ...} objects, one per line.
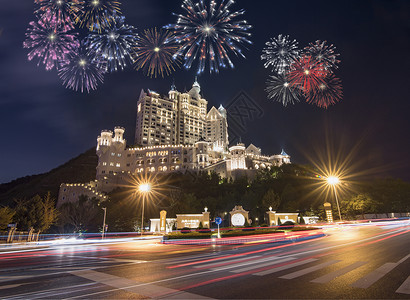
[
  {"x": 217, "y": 129},
  {"x": 191, "y": 120},
  {"x": 156, "y": 119}
]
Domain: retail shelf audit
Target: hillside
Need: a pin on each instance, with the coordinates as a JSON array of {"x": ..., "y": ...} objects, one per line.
[{"x": 79, "y": 169}]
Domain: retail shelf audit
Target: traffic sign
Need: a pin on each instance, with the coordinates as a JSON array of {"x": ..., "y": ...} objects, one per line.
[{"x": 218, "y": 220}]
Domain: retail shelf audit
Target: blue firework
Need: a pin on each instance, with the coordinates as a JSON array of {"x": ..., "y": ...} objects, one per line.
[
  {"x": 115, "y": 44},
  {"x": 209, "y": 34},
  {"x": 82, "y": 71}
]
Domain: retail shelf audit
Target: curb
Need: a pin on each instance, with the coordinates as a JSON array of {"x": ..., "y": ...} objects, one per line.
[{"x": 240, "y": 241}]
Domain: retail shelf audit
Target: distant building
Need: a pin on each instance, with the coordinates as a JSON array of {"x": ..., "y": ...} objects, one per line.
[{"x": 174, "y": 133}]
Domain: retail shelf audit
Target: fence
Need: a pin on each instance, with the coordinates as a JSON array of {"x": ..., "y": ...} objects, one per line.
[{"x": 14, "y": 236}]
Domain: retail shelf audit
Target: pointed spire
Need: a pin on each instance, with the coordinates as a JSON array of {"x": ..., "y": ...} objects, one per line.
[
  {"x": 283, "y": 153},
  {"x": 173, "y": 88}
]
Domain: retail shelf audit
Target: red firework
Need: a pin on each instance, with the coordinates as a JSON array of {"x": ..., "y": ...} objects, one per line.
[
  {"x": 306, "y": 73},
  {"x": 328, "y": 92}
]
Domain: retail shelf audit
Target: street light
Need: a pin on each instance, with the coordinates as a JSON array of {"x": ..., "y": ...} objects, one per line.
[
  {"x": 333, "y": 181},
  {"x": 105, "y": 213},
  {"x": 144, "y": 189}
]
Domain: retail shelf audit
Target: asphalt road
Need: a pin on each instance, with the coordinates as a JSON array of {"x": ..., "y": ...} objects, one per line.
[{"x": 351, "y": 262}]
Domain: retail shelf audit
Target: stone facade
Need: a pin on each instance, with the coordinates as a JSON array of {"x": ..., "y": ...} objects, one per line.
[{"x": 173, "y": 134}]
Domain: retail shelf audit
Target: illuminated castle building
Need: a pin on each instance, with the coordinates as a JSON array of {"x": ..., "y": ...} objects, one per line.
[{"x": 174, "y": 133}]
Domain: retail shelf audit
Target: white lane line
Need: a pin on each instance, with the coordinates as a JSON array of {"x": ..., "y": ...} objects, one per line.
[
  {"x": 374, "y": 276},
  {"x": 405, "y": 287},
  {"x": 225, "y": 261},
  {"x": 52, "y": 292},
  {"x": 253, "y": 262},
  {"x": 253, "y": 267},
  {"x": 309, "y": 270},
  {"x": 148, "y": 290},
  {"x": 10, "y": 286},
  {"x": 332, "y": 275},
  {"x": 289, "y": 266}
]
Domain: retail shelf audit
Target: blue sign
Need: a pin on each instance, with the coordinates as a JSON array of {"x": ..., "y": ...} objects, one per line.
[{"x": 218, "y": 221}]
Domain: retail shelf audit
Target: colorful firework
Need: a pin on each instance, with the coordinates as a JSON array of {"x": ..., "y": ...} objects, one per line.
[
  {"x": 306, "y": 73},
  {"x": 323, "y": 54},
  {"x": 115, "y": 44},
  {"x": 82, "y": 71},
  {"x": 63, "y": 11},
  {"x": 50, "y": 42},
  {"x": 154, "y": 53},
  {"x": 280, "y": 53},
  {"x": 209, "y": 33},
  {"x": 327, "y": 93},
  {"x": 97, "y": 14},
  {"x": 279, "y": 89}
]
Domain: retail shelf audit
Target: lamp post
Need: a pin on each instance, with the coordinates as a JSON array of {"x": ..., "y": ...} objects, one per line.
[
  {"x": 333, "y": 181},
  {"x": 105, "y": 214},
  {"x": 144, "y": 188}
]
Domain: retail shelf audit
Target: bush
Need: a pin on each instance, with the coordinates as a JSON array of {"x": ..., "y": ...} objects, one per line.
[{"x": 185, "y": 230}]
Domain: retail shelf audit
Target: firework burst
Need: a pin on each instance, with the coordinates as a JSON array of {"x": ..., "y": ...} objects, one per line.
[
  {"x": 306, "y": 74},
  {"x": 323, "y": 54},
  {"x": 328, "y": 92},
  {"x": 63, "y": 11},
  {"x": 115, "y": 44},
  {"x": 154, "y": 53},
  {"x": 279, "y": 89},
  {"x": 280, "y": 53},
  {"x": 209, "y": 33},
  {"x": 50, "y": 42},
  {"x": 82, "y": 71},
  {"x": 97, "y": 14}
]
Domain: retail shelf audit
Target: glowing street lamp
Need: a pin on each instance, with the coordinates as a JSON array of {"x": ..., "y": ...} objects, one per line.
[
  {"x": 334, "y": 181},
  {"x": 144, "y": 189}
]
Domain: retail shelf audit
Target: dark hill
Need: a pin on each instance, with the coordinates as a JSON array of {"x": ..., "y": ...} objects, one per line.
[{"x": 77, "y": 170}]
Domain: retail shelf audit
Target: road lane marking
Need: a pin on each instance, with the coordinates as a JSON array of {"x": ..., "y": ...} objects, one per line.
[
  {"x": 228, "y": 261},
  {"x": 332, "y": 275},
  {"x": 253, "y": 267},
  {"x": 309, "y": 270},
  {"x": 140, "y": 288},
  {"x": 10, "y": 286},
  {"x": 281, "y": 268},
  {"x": 254, "y": 262},
  {"x": 405, "y": 287},
  {"x": 374, "y": 276}
]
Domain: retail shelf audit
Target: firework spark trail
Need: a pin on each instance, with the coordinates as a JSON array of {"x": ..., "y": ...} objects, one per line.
[
  {"x": 209, "y": 33},
  {"x": 82, "y": 71},
  {"x": 115, "y": 44},
  {"x": 96, "y": 15},
  {"x": 306, "y": 73},
  {"x": 154, "y": 53},
  {"x": 50, "y": 42},
  {"x": 279, "y": 89},
  {"x": 63, "y": 11},
  {"x": 323, "y": 54},
  {"x": 329, "y": 92},
  {"x": 280, "y": 53}
]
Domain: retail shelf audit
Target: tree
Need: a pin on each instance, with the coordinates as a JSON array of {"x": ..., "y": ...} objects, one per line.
[
  {"x": 82, "y": 215},
  {"x": 39, "y": 213},
  {"x": 6, "y": 216},
  {"x": 361, "y": 204},
  {"x": 271, "y": 199}
]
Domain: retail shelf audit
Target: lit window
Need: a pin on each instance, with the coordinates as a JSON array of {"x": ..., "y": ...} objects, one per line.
[{"x": 118, "y": 165}]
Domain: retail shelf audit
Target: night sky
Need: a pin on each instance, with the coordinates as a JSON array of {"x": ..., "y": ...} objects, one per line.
[{"x": 44, "y": 125}]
